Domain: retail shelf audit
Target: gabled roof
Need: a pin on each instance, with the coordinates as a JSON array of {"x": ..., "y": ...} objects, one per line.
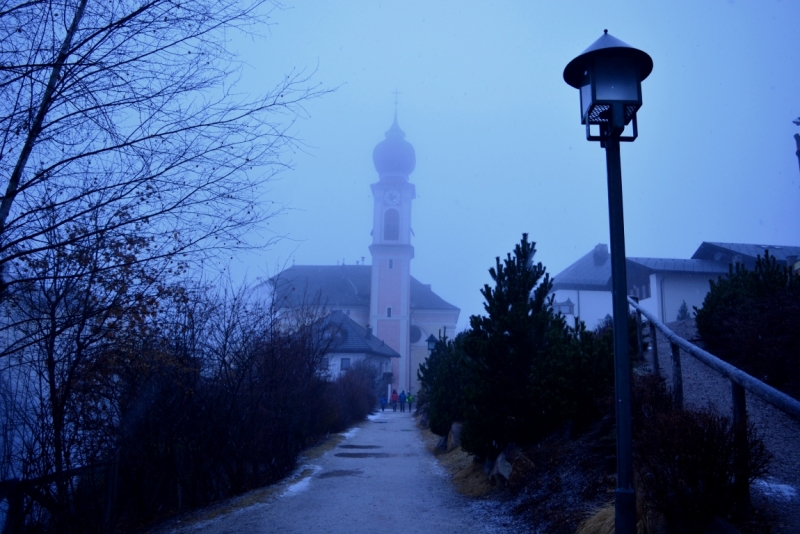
[
  {"x": 591, "y": 272},
  {"x": 342, "y": 286},
  {"x": 725, "y": 252},
  {"x": 351, "y": 338}
]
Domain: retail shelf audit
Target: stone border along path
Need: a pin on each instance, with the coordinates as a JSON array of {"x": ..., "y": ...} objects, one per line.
[
  {"x": 380, "y": 478},
  {"x": 702, "y": 386}
]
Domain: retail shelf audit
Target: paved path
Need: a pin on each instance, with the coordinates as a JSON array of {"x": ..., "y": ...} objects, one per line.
[{"x": 380, "y": 478}]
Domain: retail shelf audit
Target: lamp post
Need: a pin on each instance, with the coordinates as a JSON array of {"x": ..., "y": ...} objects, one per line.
[{"x": 609, "y": 75}]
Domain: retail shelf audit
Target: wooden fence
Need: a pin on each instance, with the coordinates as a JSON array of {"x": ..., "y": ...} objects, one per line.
[{"x": 740, "y": 381}]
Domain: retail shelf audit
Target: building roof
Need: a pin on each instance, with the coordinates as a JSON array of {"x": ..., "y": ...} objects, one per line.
[
  {"x": 351, "y": 338},
  {"x": 342, "y": 286},
  {"x": 680, "y": 266},
  {"x": 725, "y": 252},
  {"x": 591, "y": 272}
]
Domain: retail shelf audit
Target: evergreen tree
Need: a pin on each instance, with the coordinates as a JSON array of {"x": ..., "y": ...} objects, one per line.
[
  {"x": 528, "y": 370},
  {"x": 749, "y": 318},
  {"x": 683, "y": 312},
  {"x": 443, "y": 377}
]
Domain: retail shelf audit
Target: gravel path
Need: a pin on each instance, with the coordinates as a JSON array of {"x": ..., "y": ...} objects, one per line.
[
  {"x": 380, "y": 478},
  {"x": 702, "y": 386}
]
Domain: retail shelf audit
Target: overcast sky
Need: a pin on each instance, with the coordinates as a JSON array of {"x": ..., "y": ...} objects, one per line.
[{"x": 499, "y": 144}]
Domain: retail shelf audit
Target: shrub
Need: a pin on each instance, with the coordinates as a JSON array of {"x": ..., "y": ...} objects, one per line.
[
  {"x": 685, "y": 459},
  {"x": 750, "y": 318},
  {"x": 443, "y": 377}
]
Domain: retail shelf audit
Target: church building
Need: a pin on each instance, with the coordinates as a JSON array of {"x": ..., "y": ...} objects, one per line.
[{"x": 395, "y": 307}]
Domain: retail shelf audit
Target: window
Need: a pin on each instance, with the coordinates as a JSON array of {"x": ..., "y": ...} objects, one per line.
[
  {"x": 391, "y": 264},
  {"x": 389, "y": 311},
  {"x": 566, "y": 307},
  {"x": 345, "y": 364},
  {"x": 415, "y": 333},
  {"x": 391, "y": 225}
]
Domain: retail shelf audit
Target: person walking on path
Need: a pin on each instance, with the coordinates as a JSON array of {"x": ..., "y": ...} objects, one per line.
[
  {"x": 409, "y": 400},
  {"x": 403, "y": 401},
  {"x": 394, "y": 399},
  {"x": 383, "y": 402}
]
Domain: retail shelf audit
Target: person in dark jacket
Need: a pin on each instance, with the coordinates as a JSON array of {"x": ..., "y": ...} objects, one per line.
[
  {"x": 383, "y": 402},
  {"x": 403, "y": 401}
]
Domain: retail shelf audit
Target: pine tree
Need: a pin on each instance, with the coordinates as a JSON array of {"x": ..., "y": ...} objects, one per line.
[
  {"x": 504, "y": 353},
  {"x": 683, "y": 312}
]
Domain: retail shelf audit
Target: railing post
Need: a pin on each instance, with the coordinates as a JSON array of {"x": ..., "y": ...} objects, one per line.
[
  {"x": 677, "y": 376},
  {"x": 741, "y": 458},
  {"x": 654, "y": 345},
  {"x": 638, "y": 330}
]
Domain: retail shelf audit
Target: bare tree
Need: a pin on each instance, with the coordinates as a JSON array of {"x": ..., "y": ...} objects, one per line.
[{"x": 126, "y": 110}]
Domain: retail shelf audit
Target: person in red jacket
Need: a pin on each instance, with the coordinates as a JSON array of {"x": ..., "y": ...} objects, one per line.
[{"x": 394, "y": 400}]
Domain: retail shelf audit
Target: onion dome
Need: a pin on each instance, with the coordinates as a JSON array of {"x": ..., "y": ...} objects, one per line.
[{"x": 394, "y": 155}]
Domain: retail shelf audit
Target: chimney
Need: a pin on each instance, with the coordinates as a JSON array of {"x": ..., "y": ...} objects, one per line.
[{"x": 600, "y": 254}]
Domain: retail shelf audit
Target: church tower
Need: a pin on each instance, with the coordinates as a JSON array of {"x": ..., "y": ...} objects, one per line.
[{"x": 391, "y": 248}]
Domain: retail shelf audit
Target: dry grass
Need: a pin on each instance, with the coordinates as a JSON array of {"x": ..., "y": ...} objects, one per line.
[
  {"x": 601, "y": 522},
  {"x": 467, "y": 477}
]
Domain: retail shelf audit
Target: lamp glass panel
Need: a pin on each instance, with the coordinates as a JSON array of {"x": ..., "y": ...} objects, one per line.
[
  {"x": 616, "y": 80},
  {"x": 586, "y": 99}
]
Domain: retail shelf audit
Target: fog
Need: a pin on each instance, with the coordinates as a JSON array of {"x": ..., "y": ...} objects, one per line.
[{"x": 499, "y": 145}]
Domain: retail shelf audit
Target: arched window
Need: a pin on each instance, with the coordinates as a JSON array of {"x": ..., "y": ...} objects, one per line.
[{"x": 391, "y": 225}]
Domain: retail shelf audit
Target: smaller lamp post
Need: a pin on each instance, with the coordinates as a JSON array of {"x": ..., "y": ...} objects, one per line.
[
  {"x": 609, "y": 75},
  {"x": 431, "y": 342}
]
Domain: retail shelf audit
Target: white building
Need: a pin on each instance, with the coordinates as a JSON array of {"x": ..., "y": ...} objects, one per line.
[{"x": 662, "y": 285}]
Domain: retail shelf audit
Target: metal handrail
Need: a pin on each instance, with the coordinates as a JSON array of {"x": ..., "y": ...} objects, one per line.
[{"x": 778, "y": 399}]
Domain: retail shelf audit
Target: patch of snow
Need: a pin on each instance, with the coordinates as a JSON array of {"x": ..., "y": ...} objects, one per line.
[
  {"x": 350, "y": 433},
  {"x": 374, "y": 416},
  {"x": 297, "y": 487},
  {"x": 783, "y": 492},
  {"x": 304, "y": 482},
  {"x": 437, "y": 469}
]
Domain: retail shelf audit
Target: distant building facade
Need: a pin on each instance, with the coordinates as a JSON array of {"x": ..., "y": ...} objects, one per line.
[
  {"x": 399, "y": 310},
  {"x": 584, "y": 288}
]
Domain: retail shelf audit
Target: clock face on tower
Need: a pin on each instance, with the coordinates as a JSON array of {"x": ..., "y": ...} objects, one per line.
[{"x": 392, "y": 197}]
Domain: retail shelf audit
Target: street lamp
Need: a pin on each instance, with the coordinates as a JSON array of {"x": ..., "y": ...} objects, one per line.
[
  {"x": 609, "y": 75},
  {"x": 431, "y": 342}
]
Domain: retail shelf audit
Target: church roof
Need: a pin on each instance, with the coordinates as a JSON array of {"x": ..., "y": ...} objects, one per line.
[
  {"x": 351, "y": 338},
  {"x": 342, "y": 286}
]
